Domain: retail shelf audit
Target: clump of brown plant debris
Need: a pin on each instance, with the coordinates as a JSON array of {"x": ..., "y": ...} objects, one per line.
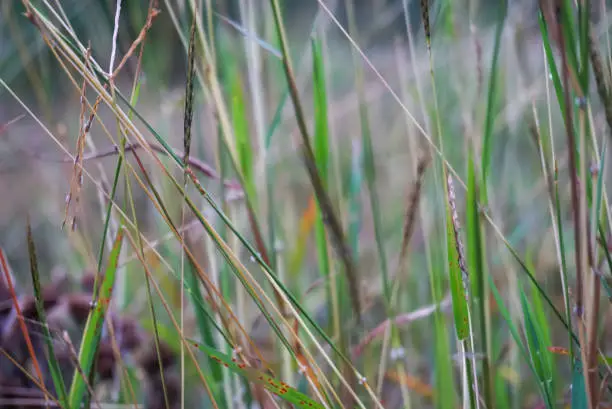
[{"x": 67, "y": 305}]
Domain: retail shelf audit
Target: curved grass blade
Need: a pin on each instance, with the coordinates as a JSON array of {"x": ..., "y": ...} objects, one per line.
[
  {"x": 93, "y": 327},
  {"x": 513, "y": 330},
  {"x": 279, "y": 388},
  {"x": 543, "y": 294}
]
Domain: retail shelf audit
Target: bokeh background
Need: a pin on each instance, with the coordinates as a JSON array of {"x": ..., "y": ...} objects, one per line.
[{"x": 33, "y": 181}]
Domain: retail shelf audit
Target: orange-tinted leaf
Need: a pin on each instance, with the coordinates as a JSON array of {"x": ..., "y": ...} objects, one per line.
[{"x": 412, "y": 382}]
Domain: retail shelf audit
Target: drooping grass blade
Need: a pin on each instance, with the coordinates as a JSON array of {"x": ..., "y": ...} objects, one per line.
[{"x": 279, "y": 388}]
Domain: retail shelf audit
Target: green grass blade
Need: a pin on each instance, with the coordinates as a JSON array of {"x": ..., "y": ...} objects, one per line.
[
  {"x": 204, "y": 321},
  {"x": 445, "y": 385},
  {"x": 56, "y": 373},
  {"x": 275, "y": 386},
  {"x": 542, "y": 324},
  {"x": 569, "y": 26},
  {"x": 321, "y": 154},
  {"x": 536, "y": 350},
  {"x": 490, "y": 117},
  {"x": 321, "y": 137},
  {"x": 457, "y": 284},
  {"x": 476, "y": 266},
  {"x": 241, "y": 127},
  {"x": 513, "y": 330},
  {"x": 93, "y": 327},
  {"x": 332, "y": 221},
  {"x": 107, "y": 217},
  {"x": 550, "y": 59},
  {"x": 223, "y": 249},
  {"x": 336, "y": 300},
  {"x": 539, "y": 288},
  {"x": 563, "y": 253},
  {"x": 584, "y": 26}
]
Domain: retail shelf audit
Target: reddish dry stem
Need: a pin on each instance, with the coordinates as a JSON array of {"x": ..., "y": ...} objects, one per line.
[{"x": 22, "y": 324}]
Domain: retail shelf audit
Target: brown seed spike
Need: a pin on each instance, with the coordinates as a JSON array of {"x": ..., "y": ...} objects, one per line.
[
  {"x": 426, "y": 26},
  {"x": 456, "y": 229},
  {"x": 412, "y": 208}
]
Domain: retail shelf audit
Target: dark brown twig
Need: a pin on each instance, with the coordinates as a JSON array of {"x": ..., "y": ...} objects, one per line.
[
  {"x": 411, "y": 209},
  {"x": 330, "y": 219}
]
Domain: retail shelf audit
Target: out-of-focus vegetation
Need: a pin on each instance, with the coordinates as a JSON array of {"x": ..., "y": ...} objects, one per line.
[{"x": 352, "y": 203}]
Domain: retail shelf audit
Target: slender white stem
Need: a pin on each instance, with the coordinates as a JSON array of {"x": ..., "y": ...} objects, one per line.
[{"x": 115, "y": 33}]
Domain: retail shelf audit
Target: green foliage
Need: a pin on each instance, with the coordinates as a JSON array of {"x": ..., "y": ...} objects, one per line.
[
  {"x": 292, "y": 216},
  {"x": 56, "y": 374},
  {"x": 275, "y": 386},
  {"x": 95, "y": 321}
]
